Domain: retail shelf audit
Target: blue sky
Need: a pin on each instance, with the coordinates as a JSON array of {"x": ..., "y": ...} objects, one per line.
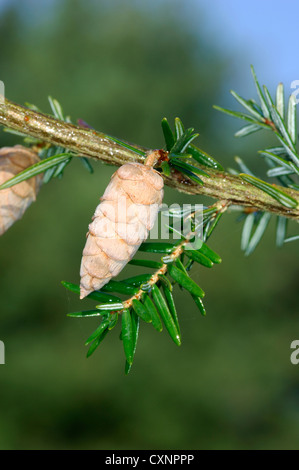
[{"x": 264, "y": 33}]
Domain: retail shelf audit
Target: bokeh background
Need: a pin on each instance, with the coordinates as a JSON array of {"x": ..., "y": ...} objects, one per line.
[{"x": 122, "y": 66}]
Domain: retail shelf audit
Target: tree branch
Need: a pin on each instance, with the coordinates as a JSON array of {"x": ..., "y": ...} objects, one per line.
[{"x": 93, "y": 144}]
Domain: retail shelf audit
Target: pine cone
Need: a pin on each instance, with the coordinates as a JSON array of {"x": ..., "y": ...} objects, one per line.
[
  {"x": 15, "y": 200},
  {"x": 121, "y": 222}
]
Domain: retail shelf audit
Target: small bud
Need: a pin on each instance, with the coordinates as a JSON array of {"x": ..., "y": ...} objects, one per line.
[{"x": 15, "y": 200}]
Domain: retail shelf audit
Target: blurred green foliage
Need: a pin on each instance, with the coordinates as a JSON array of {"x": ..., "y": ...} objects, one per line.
[{"x": 121, "y": 68}]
